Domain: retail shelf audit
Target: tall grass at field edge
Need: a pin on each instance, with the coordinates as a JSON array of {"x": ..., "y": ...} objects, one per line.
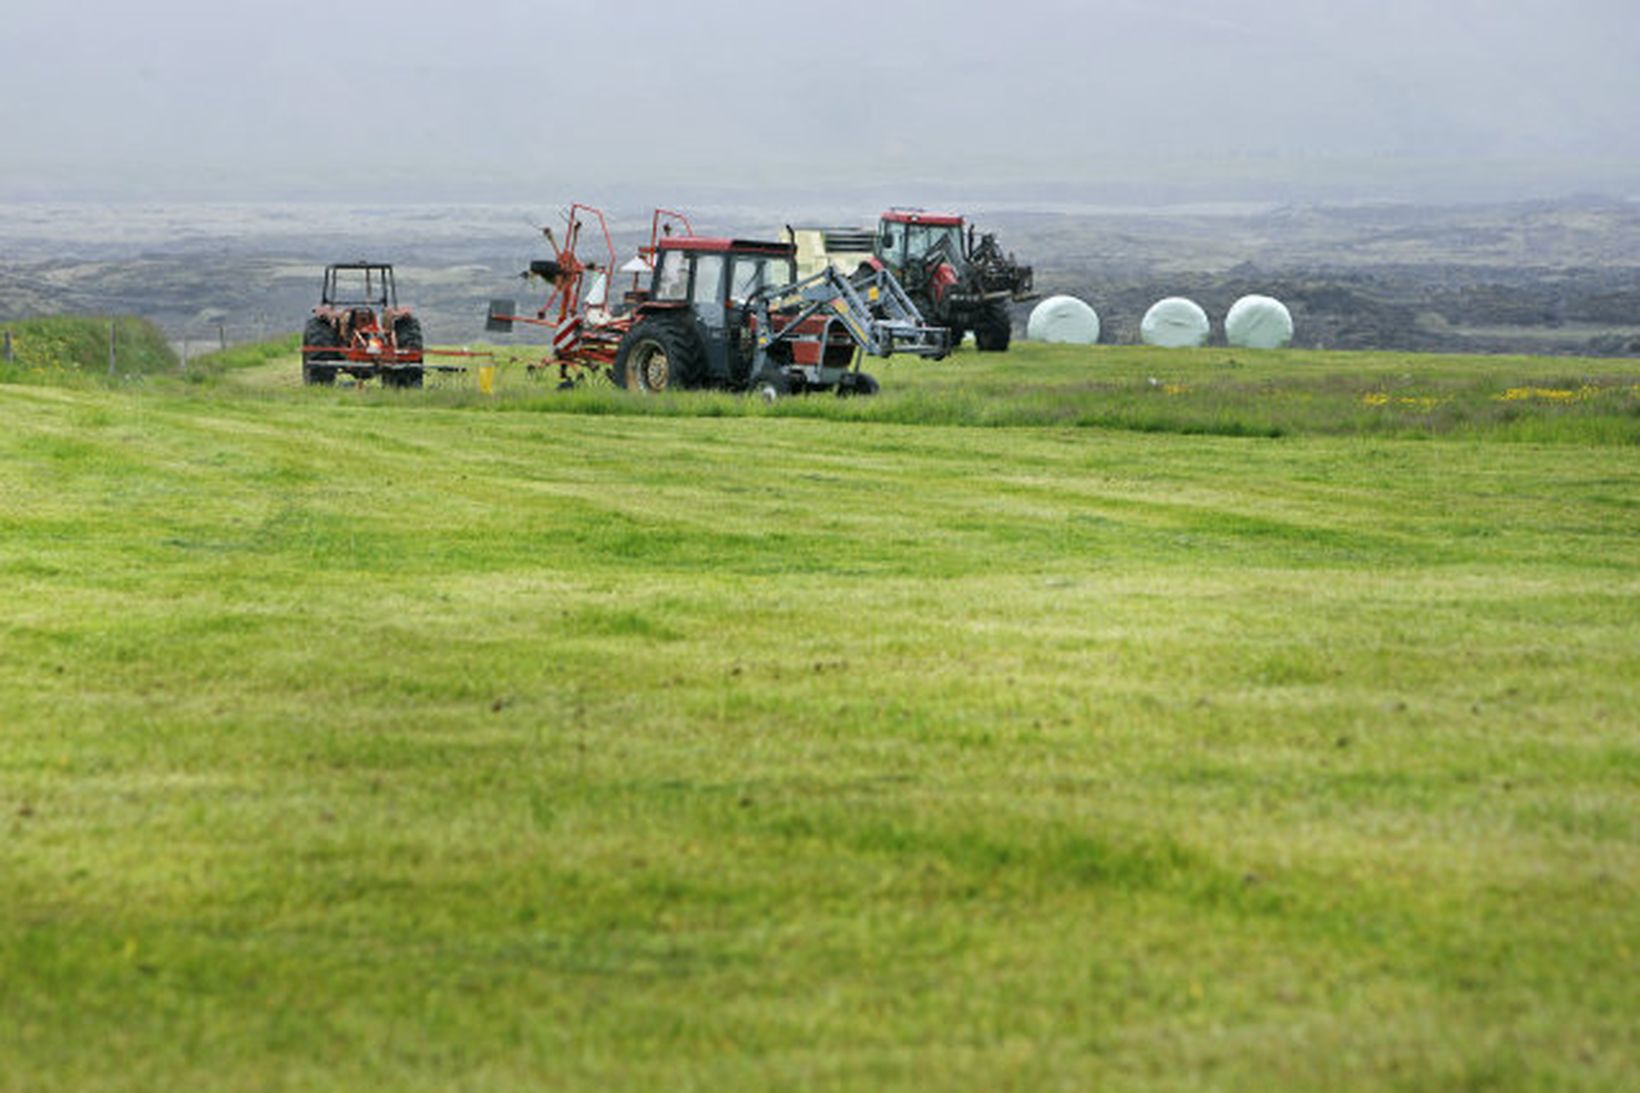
[{"x": 63, "y": 348}]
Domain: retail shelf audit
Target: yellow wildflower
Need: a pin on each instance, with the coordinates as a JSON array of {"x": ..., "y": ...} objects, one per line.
[{"x": 1547, "y": 394}]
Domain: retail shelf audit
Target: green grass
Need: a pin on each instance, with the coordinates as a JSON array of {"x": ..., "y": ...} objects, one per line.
[
  {"x": 280, "y": 353},
  {"x": 66, "y": 349},
  {"x": 424, "y": 740},
  {"x": 1218, "y": 392}
]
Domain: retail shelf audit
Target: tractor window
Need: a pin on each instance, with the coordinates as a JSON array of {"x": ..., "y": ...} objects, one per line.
[
  {"x": 708, "y": 279},
  {"x": 890, "y": 241},
  {"x": 672, "y": 278},
  {"x": 349, "y": 285},
  {"x": 923, "y": 238},
  {"x": 751, "y": 274}
]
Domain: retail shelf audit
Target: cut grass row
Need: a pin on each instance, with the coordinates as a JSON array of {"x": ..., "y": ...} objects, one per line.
[{"x": 359, "y": 738}]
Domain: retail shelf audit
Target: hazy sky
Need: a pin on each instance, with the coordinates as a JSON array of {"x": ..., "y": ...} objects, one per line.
[{"x": 362, "y": 99}]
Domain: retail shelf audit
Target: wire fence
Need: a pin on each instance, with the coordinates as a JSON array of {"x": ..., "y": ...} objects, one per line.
[
  {"x": 114, "y": 346},
  {"x": 191, "y": 345}
]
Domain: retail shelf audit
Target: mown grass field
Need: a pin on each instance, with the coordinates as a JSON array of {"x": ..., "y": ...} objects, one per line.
[{"x": 1074, "y": 719}]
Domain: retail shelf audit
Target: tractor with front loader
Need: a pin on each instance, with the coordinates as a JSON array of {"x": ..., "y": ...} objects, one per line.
[
  {"x": 710, "y": 312},
  {"x": 958, "y": 278},
  {"x": 359, "y": 329}
]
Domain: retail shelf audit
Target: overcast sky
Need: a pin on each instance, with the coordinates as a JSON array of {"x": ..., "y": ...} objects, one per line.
[{"x": 423, "y": 100}]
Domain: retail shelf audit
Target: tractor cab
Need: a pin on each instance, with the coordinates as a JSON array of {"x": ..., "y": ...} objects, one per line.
[
  {"x": 704, "y": 272},
  {"x": 360, "y": 299},
  {"x": 714, "y": 280},
  {"x": 914, "y": 239},
  {"x": 359, "y": 284}
]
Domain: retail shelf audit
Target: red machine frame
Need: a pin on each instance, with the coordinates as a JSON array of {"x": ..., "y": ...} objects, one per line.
[{"x": 583, "y": 341}]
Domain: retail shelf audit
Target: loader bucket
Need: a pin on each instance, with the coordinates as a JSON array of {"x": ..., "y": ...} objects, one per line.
[{"x": 500, "y": 318}]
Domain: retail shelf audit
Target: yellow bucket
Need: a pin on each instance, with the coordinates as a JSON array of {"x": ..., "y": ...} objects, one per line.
[{"x": 486, "y": 378}]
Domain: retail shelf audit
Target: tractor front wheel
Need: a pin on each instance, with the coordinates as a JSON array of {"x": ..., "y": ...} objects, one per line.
[
  {"x": 660, "y": 354},
  {"x": 857, "y": 384},
  {"x": 993, "y": 329}
]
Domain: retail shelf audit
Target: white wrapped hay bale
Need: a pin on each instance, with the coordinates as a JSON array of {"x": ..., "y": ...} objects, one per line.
[
  {"x": 1063, "y": 319},
  {"x": 1258, "y": 322},
  {"x": 1174, "y": 323}
]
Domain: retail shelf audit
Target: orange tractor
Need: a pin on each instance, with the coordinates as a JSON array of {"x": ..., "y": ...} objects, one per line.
[{"x": 360, "y": 330}]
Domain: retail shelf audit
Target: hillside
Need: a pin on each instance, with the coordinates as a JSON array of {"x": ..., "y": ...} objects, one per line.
[{"x": 1529, "y": 277}]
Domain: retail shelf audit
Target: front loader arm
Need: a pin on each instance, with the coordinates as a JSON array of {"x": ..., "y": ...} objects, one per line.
[{"x": 874, "y": 310}]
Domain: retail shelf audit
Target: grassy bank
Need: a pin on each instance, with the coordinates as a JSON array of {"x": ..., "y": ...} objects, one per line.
[
  {"x": 359, "y": 738},
  {"x": 66, "y": 349}
]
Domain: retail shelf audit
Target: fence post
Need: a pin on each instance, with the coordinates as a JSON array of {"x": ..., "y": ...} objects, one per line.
[
  {"x": 221, "y": 336},
  {"x": 112, "y": 357},
  {"x": 185, "y": 355},
  {"x": 8, "y": 346}
]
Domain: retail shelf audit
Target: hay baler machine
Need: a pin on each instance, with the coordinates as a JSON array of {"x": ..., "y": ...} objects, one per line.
[
  {"x": 359, "y": 329},
  {"x": 707, "y": 312}
]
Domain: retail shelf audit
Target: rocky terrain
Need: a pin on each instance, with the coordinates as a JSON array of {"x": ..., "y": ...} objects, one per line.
[{"x": 1543, "y": 277}]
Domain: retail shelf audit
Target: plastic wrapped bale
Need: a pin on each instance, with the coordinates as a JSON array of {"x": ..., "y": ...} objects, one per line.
[
  {"x": 1063, "y": 319},
  {"x": 1174, "y": 323},
  {"x": 1258, "y": 322}
]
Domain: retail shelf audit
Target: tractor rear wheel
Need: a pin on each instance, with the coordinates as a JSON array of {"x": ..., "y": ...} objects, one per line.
[
  {"x": 660, "y": 353},
  {"x": 406, "y": 340},
  {"x": 407, "y": 334},
  {"x": 993, "y": 329},
  {"x": 319, "y": 333}
]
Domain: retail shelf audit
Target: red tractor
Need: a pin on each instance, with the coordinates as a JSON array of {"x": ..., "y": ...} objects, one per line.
[
  {"x": 359, "y": 329},
  {"x": 723, "y": 313},
  {"x": 958, "y": 278}
]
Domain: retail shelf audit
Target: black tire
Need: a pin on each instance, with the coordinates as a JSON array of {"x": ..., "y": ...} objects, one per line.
[
  {"x": 993, "y": 330},
  {"x": 858, "y": 385},
  {"x": 776, "y": 381},
  {"x": 407, "y": 334},
  {"x": 317, "y": 332},
  {"x": 406, "y": 339},
  {"x": 956, "y": 336},
  {"x": 773, "y": 387},
  {"x": 660, "y": 353}
]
